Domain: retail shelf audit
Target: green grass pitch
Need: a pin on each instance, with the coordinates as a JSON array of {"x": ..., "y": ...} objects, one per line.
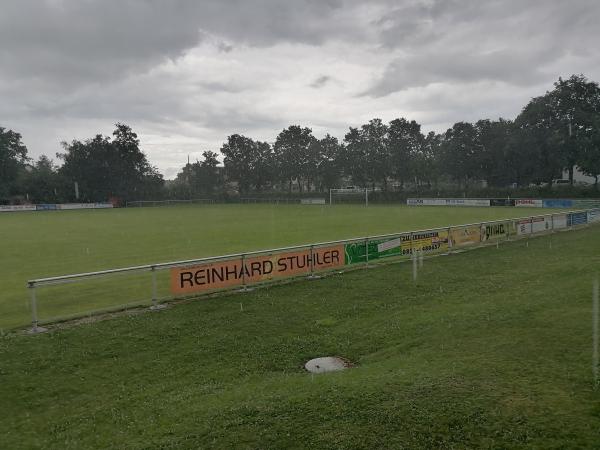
[
  {"x": 491, "y": 348},
  {"x": 43, "y": 244}
]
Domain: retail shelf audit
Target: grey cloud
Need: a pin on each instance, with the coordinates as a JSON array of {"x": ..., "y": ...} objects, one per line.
[
  {"x": 320, "y": 81},
  {"x": 466, "y": 41},
  {"x": 193, "y": 71},
  {"x": 460, "y": 67},
  {"x": 75, "y": 41}
]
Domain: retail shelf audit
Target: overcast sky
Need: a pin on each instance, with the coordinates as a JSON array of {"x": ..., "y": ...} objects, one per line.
[{"x": 185, "y": 74}]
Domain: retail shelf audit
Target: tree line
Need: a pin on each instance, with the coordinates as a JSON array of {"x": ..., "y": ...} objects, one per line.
[{"x": 553, "y": 132}]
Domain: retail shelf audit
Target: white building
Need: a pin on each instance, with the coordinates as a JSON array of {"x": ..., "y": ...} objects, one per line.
[{"x": 578, "y": 176}]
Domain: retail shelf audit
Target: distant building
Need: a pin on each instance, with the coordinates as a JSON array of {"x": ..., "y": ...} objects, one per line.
[{"x": 578, "y": 176}]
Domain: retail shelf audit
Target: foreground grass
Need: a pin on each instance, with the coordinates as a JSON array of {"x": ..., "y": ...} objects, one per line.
[
  {"x": 42, "y": 244},
  {"x": 491, "y": 348}
]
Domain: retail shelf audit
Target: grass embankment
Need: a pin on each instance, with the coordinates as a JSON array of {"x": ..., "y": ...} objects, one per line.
[
  {"x": 491, "y": 348},
  {"x": 51, "y": 243}
]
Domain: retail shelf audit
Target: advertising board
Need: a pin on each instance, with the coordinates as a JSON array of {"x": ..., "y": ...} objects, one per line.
[
  {"x": 495, "y": 230},
  {"x": 534, "y": 225},
  {"x": 221, "y": 274},
  {"x": 467, "y": 202},
  {"x": 529, "y": 202},
  {"x": 502, "y": 202},
  {"x": 427, "y": 242},
  {"x": 312, "y": 201},
  {"x": 559, "y": 221},
  {"x": 402, "y": 245},
  {"x": 586, "y": 203},
  {"x": 355, "y": 252},
  {"x": 593, "y": 215},
  {"x": 45, "y": 207},
  {"x": 557, "y": 203},
  {"x": 426, "y": 202},
  {"x": 13, "y": 208},
  {"x": 448, "y": 202},
  {"x": 462, "y": 236},
  {"x": 578, "y": 218}
]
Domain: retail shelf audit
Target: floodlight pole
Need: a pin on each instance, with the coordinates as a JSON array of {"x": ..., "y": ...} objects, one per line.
[
  {"x": 330, "y": 190},
  {"x": 366, "y": 196}
]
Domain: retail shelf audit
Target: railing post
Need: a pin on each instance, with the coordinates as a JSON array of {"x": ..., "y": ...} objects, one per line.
[
  {"x": 450, "y": 243},
  {"x": 312, "y": 275},
  {"x": 367, "y": 252},
  {"x": 245, "y": 287},
  {"x": 155, "y": 306},
  {"x": 243, "y": 272},
  {"x": 413, "y": 257},
  {"x": 35, "y": 328}
]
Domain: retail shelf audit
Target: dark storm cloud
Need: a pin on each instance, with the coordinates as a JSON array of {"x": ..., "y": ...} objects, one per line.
[
  {"x": 510, "y": 41},
  {"x": 81, "y": 40},
  {"x": 187, "y": 73}
]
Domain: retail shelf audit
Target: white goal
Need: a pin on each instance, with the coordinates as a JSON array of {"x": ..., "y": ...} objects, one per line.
[{"x": 349, "y": 195}]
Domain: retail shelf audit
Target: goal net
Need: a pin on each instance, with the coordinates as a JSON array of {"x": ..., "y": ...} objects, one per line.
[{"x": 349, "y": 195}]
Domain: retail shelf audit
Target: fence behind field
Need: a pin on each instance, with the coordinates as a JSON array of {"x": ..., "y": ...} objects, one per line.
[
  {"x": 198, "y": 201},
  {"x": 70, "y": 296}
]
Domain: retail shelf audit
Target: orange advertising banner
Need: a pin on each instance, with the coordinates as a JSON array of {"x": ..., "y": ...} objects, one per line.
[{"x": 222, "y": 274}]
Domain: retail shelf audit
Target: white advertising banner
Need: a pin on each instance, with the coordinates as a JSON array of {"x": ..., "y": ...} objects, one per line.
[
  {"x": 535, "y": 225},
  {"x": 593, "y": 215},
  {"x": 529, "y": 202},
  {"x": 10, "y": 208},
  {"x": 448, "y": 202},
  {"x": 426, "y": 202},
  {"x": 560, "y": 221},
  {"x": 312, "y": 201}
]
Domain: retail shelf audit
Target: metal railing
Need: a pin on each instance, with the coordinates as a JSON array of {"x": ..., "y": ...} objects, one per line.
[{"x": 399, "y": 246}]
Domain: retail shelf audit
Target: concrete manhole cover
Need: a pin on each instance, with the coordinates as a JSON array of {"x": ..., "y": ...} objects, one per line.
[{"x": 327, "y": 364}]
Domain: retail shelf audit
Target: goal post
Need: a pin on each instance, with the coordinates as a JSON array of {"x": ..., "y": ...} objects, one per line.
[{"x": 349, "y": 195}]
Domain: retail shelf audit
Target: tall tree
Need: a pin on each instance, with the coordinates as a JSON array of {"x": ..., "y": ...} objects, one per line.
[
  {"x": 354, "y": 157},
  {"x": 330, "y": 162},
  {"x": 589, "y": 156},
  {"x": 375, "y": 140},
  {"x": 538, "y": 138},
  {"x": 425, "y": 163},
  {"x": 291, "y": 150},
  {"x": 103, "y": 168},
  {"x": 494, "y": 161},
  {"x": 405, "y": 142},
  {"x": 210, "y": 176},
  {"x": 575, "y": 104},
  {"x": 239, "y": 152},
  {"x": 264, "y": 170},
  {"x": 13, "y": 157},
  {"x": 41, "y": 182},
  {"x": 460, "y": 151}
]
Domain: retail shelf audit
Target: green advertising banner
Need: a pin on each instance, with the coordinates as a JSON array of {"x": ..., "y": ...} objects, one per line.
[
  {"x": 426, "y": 242},
  {"x": 378, "y": 248}
]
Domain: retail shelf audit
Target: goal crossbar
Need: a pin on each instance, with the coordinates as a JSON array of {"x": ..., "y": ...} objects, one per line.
[{"x": 350, "y": 191}]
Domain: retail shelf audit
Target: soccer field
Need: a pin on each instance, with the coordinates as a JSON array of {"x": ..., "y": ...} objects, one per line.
[
  {"x": 42, "y": 244},
  {"x": 491, "y": 348}
]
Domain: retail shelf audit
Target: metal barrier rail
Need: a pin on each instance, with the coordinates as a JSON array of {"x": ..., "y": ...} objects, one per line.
[{"x": 153, "y": 268}]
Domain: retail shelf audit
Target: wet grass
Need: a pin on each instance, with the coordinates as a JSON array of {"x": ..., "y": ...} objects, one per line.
[
  {"x": 51, "y": 243},
  {"x": 491, "y": 348}
]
